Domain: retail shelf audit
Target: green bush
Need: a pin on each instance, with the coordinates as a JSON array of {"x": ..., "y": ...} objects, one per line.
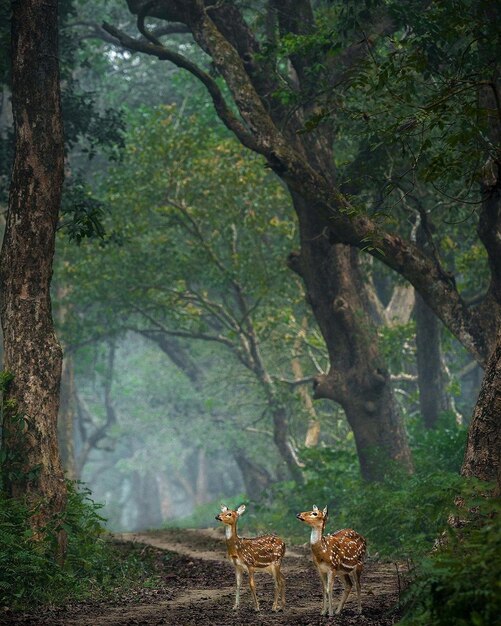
[
  {"x": 29, "y": 573},
  {"x": 460, "y": 583}
]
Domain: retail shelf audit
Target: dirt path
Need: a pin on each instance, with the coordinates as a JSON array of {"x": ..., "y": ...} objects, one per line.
[{"x": 198, "y": 589}]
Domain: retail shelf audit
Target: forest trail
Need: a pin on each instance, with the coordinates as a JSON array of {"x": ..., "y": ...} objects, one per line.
[{"x": 197, "y": 587}]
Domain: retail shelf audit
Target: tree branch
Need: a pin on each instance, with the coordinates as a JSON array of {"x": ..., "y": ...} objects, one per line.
[{"x": 165, "y": 54}]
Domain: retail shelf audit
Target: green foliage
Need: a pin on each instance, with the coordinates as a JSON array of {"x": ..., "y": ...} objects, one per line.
[
  {"x": 397, "y": 346},
  {"x": 460, "y": 583},
  {"x": 81, "y": 212},
  {"x": 29, "y": 574}
]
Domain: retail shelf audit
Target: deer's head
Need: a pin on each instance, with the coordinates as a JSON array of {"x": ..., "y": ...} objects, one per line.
[
  {"x": 228, "y": 516},
  {"x": 315, "y": 517}
]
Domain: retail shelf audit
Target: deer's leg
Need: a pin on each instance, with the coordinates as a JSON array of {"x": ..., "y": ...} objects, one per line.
[
  {"x": 282, "y": 587},
  {"x": 347, "y": 588},
  {"x": 238, "y": 575},
  {"x": 331, "y": 576},
  {"x": 279, "y": 601},
  {"x": 358, "y": 574},
  {"x": 323, "y": 579},
  {"x": 274, "y": 572},
  {"x": 252, "y": 585}
]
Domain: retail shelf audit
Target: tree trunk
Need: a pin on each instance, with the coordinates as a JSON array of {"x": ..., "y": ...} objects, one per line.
[
  {"x": 32, "y": 468},
  {"x": 357, "y": 379},
  {"x": 256, "y": 478},
  {"x": 201, "y": 486},
  {"x": 164, "y": 492},
  {"x": 147, "y": 501},
  {"x": 483, "y": 449},
  {"x": 432, "y": 378},
  {"x": 281, "y": 438}
]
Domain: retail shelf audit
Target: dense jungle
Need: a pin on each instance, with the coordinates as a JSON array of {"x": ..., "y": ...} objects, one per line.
[{"x": 250, "y": 295}]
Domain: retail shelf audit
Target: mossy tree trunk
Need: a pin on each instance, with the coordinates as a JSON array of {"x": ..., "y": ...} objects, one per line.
[{"x": 32, "y": 355}]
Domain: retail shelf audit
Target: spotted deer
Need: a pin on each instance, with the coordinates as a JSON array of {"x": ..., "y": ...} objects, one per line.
[
  {"x": 340, "y": 554},
  {"x": 247, "y": 555}
]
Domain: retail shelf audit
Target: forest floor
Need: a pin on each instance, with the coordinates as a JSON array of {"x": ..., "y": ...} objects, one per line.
[{"x": 196, "y": 586}]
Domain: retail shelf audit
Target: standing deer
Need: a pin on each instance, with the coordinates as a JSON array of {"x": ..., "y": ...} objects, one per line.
[
  {"x": 339, "y": 554},
  {"x": 264, "y": 553}
]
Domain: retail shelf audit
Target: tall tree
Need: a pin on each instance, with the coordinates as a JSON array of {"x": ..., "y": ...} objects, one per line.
[
  {"x": 32, "y": 355},
  {"x": 307, "y": 56},
  {"x": 330, "y": 273}
]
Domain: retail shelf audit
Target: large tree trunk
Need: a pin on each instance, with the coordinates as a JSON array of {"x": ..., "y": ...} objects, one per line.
[
  {"x": 432, "y": 378},
  {"x": 483, "y": 449},
  {"x": 358, "y": 378},
  {"x": 32, "y": 468}
]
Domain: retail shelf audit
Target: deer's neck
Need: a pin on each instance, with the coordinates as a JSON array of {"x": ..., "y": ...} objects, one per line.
[
  {"x": 231, "y": 540},
  {"x": 316, "y": 536},
  {"x": 231, "y": 532}
]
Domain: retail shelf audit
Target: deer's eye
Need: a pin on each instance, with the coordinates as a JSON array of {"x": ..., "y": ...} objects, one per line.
[
  {"x": 228, "y": 514},
  {"x": 315, "y": 514}
]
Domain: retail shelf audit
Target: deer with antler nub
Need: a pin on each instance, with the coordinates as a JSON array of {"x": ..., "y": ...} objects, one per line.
[
  {"x": 340, "y": 554},
  {"x": 247, "y": 555}
]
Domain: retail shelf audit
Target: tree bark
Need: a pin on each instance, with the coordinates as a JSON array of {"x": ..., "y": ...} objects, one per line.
[
  {"x": 432, "y": 378},
  {"x": 32, "y": 467},
  {"x": 483, "y": 449},
  {"x": 357, "y": 379}
]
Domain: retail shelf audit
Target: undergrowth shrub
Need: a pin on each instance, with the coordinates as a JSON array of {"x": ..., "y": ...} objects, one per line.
[
  {"x": 460, "y": 583},
  {"x": 29, "y": 573}
]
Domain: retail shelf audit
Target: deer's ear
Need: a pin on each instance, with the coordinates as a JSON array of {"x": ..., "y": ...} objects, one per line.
[
  {"x": 241, "y": 509},
  {"x": 325, "y": 512},
  {"x": 315, "y": 508},
  {"x": 224, "y": 508}
]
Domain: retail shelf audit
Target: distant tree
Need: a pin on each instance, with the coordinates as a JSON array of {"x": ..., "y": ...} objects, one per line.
[{"x": 31, "y": 467}]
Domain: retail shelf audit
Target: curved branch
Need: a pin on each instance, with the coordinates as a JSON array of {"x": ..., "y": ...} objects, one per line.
[{"x": 165, "y": 54}]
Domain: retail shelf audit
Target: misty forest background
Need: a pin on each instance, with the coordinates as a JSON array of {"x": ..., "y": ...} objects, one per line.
[{"x": 227, "y": 334}]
